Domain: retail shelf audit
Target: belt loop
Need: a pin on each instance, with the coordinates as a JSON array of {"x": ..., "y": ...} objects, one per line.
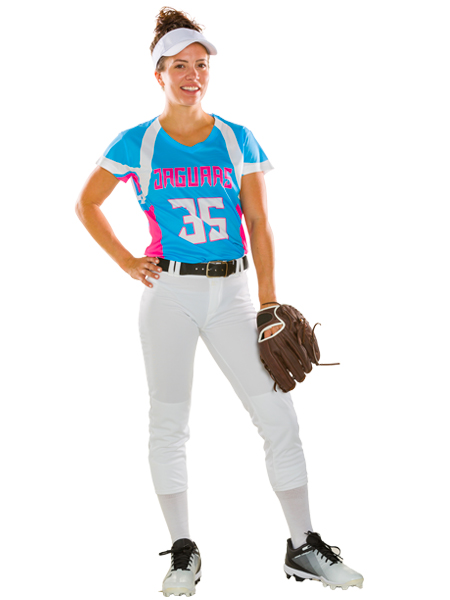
[
  {"x": 171, "y": 268},
  {"x": 177, "y": 268}
]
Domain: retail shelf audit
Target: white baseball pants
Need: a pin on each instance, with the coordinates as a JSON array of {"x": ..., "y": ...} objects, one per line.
[{"x": 173, "y": 314}]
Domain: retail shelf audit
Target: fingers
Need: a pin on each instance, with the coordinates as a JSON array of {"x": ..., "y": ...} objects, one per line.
[
  {"x": 272, "y": 330},
  {"x": 149, "y": 269}
]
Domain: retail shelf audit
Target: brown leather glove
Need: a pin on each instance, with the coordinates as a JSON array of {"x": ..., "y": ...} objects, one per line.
[{"x": 289, "y": 354}]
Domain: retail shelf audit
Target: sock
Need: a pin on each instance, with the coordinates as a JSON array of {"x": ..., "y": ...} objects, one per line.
[
  {"x": 175, "y": 510},
  {"x": 295, "y": 505}
]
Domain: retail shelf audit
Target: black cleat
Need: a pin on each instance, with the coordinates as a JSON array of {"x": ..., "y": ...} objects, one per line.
[
  {"x": 321, "y": 562},
  {"x": 185, "y": 569}
]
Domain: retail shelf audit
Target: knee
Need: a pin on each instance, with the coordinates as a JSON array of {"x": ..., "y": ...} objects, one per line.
[
  {"x": 275, "y": 417},
  {"x": 168, "y": 424}
]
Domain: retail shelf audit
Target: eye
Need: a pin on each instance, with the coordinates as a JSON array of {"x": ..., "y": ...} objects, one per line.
[{"x": 179, "y": 65}]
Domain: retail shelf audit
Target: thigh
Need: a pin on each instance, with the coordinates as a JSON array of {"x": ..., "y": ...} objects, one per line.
[
  {"x": 231, "y": 337},
  {"x": 169, "y": 338}
]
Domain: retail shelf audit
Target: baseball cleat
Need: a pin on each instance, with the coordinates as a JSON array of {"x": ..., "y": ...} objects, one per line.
[
  {"x": 321, "y": 562},
  {"x": 185, "y": 569}
]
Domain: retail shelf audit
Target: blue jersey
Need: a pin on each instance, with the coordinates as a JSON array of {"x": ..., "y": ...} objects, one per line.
[{"x": 190, "y": 194}]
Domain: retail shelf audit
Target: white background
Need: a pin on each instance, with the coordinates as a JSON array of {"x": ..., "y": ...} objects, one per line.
[{"x": 349, "y": 100}]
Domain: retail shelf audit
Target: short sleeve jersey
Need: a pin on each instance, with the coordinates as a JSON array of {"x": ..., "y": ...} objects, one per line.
[{"x": 190, "y": 195}]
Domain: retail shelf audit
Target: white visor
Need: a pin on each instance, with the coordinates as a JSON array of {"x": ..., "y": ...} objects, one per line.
[{"x": 176, "y": 40}]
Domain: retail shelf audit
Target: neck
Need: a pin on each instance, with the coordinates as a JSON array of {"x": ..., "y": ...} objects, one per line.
[{"x": 184, "y": 118}]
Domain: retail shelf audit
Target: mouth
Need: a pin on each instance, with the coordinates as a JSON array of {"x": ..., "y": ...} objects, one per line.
[{"x": 191, "y": 89}]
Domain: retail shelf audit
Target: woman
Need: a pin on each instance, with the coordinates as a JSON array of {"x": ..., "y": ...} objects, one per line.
[{"x": 195, "y": 175}]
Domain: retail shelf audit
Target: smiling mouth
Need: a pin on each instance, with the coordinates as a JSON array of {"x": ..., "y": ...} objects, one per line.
[{"x": 190, "y": 89}]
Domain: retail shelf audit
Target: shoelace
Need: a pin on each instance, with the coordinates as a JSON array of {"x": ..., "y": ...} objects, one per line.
[
  {"x": 181, "y": 557},
  {"x": 331, "y": 553}
]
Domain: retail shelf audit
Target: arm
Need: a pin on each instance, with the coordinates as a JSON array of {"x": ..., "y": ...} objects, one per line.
[
  {"x": 254, "y": 207},
  {"x": 97, "y": 188}
]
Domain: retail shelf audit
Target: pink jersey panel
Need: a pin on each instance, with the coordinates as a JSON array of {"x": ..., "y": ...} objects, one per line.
[
  {"x": 241, "y": 230},
  {"x": 135, "y": 178},
  {"x": 155, "y": 248}
]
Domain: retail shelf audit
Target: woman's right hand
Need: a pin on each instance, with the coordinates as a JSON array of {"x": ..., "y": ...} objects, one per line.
[{"x": 140, "y": 268}]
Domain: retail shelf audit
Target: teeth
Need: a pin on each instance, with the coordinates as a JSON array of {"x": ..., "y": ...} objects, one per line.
[{"x": 190, "y": 88}]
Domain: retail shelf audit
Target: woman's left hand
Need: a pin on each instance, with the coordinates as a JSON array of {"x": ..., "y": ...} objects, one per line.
[
  {"x": 271, "y": 331},
  {"x": 274, "y": 329}
]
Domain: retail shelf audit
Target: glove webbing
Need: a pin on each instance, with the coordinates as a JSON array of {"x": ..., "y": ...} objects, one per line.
[{"x": 314, "y": 336}]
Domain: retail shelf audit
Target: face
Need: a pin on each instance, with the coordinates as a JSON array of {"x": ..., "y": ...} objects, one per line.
[{"x": 187, "y": 69}]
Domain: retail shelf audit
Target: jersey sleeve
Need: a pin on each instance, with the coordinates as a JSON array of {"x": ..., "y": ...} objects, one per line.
[
  {"x": 255, "y": 158},
  {"x": 118, "y": 159}
]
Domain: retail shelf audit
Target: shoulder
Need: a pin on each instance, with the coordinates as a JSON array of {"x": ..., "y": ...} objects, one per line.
[
  {"x": 233, "y": 126},
  {"x": 241, "y": 132},
  {"x": 126, "y": 146},
  {"x": 136, "y": 133}
]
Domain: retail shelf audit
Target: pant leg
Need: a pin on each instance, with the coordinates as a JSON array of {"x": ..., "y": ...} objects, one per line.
[
  {"x": 169, "y": 336},
  {"x": 231, "y": 337}
]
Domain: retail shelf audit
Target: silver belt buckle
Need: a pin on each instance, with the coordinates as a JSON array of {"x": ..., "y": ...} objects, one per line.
[{"x": 216, "y": 262}]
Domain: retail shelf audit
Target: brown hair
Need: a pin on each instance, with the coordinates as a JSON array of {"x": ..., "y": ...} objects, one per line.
[{"x": 166, "y": 20}]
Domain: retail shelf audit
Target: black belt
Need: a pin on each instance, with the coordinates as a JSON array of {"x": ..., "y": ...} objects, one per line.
[{"x": 213, "y": 268}]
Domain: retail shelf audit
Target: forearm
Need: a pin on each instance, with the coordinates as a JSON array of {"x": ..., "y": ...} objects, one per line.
[
  {"x": 263, "y": 253},
  {"x": 98, "y": 226}
]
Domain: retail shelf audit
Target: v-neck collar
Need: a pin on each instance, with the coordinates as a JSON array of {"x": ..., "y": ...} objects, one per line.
[{"x": 174, "y": 142}]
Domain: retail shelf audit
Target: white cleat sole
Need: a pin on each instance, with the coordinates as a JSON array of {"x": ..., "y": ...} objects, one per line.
[
  {"x": 356, "y": 583},
  {"x": 301, "y": 576},
  {"x": 182, "y": 591}
]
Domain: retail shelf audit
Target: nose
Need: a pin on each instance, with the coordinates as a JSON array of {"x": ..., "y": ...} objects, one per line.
[{"x": 191, "y": 72}]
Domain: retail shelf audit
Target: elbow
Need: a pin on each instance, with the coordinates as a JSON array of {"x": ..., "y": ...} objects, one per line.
[
  {"x": 258, "y": 224},
  {"x": 78, "y": 210}
]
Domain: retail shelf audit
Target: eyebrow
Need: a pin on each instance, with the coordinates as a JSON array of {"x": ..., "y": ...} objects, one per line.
[{"x": 180, "y": 60}]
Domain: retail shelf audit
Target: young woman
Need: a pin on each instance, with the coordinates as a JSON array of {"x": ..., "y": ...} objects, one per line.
[{"x": 195, "y": 174}]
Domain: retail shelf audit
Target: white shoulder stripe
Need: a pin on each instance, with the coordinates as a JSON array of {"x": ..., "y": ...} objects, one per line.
[
  {"x": 147, "y": 150},
  {"x": 233, "y": 149}
]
